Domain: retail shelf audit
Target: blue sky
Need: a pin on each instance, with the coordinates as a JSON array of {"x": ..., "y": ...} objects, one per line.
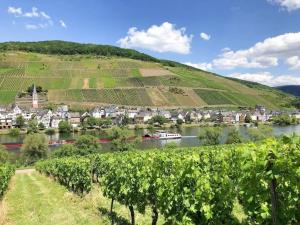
[{"x": 257, "y": 40}]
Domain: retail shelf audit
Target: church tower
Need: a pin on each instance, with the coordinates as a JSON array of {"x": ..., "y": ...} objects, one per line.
[{"x": 35, "y": 101}]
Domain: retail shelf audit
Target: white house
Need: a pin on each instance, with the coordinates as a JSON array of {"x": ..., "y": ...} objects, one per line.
[
  {"x": 74, "y": 119},
  {"x": 296, "y": 115},
  {"x": 206, "y": 115},
  {"x": 143, "y": 117},
  {"x": 45, "y": 118},
  {"x": 132, "y": 113},
  {"x": 27, "y": 115},
  {"x": 196, "y": 116},
  {"x": 111, "y": 112},
  {"x": 17, "y": 110},
  {"x": 165, "y": 114},
  {"x": 176, "y": 116},
  {"x": 98, "y": 113},
  {"x": 55, "y": 121},
  {"x": 62, "y": 111}
]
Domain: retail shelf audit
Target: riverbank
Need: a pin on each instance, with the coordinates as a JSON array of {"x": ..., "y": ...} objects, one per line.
[
  {"x": 7, "y": 131},
  {"x": 190, "y": 134},
  {"x": 138, "y": 126}
]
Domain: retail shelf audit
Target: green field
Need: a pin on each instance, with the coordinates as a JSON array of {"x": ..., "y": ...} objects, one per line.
[{"x": 64, "y": 73}]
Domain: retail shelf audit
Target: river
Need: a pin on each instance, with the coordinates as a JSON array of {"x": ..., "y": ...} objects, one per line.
[{"x": 189, "y": 137}]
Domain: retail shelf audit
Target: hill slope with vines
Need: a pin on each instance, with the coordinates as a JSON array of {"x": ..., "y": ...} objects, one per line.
[{"x": 88, "y": 74}]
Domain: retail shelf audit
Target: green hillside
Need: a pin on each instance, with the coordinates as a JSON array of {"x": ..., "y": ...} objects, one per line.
[{"x": 89, "y": 74}]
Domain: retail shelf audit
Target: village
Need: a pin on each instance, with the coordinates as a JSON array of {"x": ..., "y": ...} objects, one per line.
[{"x": 48, "y": 118}]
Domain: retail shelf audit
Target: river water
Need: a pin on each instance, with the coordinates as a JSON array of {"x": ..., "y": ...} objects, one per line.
[{"x": 189, "y": 137}]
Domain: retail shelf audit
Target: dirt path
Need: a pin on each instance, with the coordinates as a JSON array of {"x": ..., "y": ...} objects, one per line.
[
  {"x": 86, "y": 83},
  {"x": 25, "y": 171},
  {"x": 3, "y": 212}
]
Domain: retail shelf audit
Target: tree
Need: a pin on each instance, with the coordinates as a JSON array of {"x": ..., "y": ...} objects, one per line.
[
  {"x": 91, "y": 121},
  {"x": 125, "y": 120},
  {"x": 151, "y": 129},
  {"x": 284, "y": 120},
  {"x": 71, "y": 48},
  {"x": 32, "y": 126},
  {"x": 14, "y": 132},
  {"x": 35, "y": 147},
  {"x": 64, "y": 151},
  {"x": 296, "y": 103},
  {"x": 259, "y": 133},
  {"x": 234, "y": 136},
  {"x": 158, "y": 119},
  {"x": 248, "y": 118},
  {"x": 210, "y": 136},
  {"x": 64, "y": 127},
  {"x": 120, "y": 139},
  {"x": 87, "y": 144},
  {"x": 20, "y": 122},
  {"x": 50, "y": 131},
  {"x": 41, "y": 126},
  {"x": 104, "y": 123},
  {"x": 39, "y": 89},
  {"x": 179, "y": 122},
  {"x": 4, "y": 156}
]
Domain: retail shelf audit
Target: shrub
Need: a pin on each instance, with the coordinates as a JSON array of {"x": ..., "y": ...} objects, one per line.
[
  {"x": 64, "y": 127},
  {"x": 35, "y": 147},
  {"x": 14, "y": 132},
  {"x": 49, "y": 131}
]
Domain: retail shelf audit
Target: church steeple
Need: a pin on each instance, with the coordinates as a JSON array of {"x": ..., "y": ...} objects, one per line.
[{"x": 35, "y": 101}]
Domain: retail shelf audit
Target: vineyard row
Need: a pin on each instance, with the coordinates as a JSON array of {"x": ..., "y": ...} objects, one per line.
[{"x": 197, "y": 185}]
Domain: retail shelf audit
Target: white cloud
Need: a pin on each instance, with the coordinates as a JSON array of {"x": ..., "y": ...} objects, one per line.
[
  {"x": 226, "y": 49},
  {"x": 32, "y": 27},
  {"x": 293, "y": 62},
  {"x": 63, "y": 24},
  {"x": 267, "y": 78},
  {"x": 289, "y": 5},
  {"x": 37, "y": 26},
  {"x": 201, "y": 66},
  {"x": 34, "y": 13},
  {"x": 262, "y": 55},
  {"x": 163, "y": 38},
  {"x": 14, "y": 11},
  {"x": 205, "y": 36},
  {"x": 43, "y": 17}
]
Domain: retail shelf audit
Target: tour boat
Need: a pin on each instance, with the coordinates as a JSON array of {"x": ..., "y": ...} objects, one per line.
[{"x": 161, "y": 134}]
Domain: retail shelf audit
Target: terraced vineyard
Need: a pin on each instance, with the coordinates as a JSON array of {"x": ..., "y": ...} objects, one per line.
[{"x": 123, "y": 81}]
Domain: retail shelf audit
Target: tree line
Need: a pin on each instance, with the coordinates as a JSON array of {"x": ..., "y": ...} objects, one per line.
[{"x": 72, "y": 48}]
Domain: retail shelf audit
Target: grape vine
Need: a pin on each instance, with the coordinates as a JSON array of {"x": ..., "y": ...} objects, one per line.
[
  {"x": 195, "y": 185},
  {"x": 6, "y": 172}
]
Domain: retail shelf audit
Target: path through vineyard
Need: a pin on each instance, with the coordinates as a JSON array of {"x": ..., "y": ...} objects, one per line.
[{"x": 34, "y": 200}]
